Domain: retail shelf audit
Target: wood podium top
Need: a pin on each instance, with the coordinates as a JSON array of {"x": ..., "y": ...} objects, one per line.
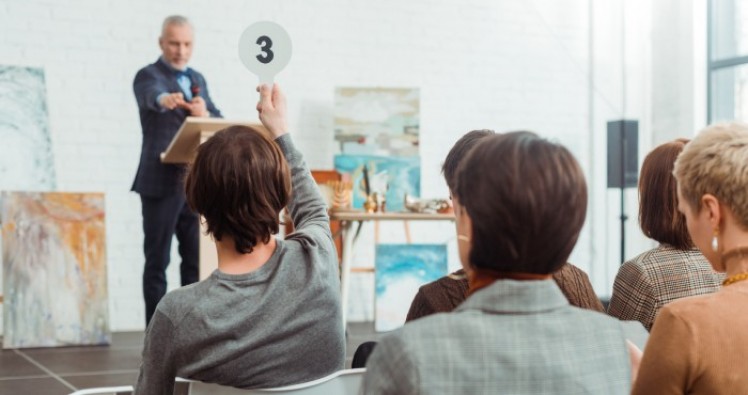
[{"x": 195, "y": 130}]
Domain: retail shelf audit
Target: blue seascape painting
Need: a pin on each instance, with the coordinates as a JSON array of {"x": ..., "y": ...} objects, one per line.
[
  {"x": 400, "y": 270},
  {"x": 393, "y": 176}
]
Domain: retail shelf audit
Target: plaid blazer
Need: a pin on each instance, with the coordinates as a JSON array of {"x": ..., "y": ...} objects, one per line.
[
  {"x": 512, "y": 337},
  {"x": 656, "y": 277}
]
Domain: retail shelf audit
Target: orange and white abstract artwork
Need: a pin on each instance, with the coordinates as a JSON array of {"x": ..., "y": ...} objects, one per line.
[{"x": 54, "y": 269}]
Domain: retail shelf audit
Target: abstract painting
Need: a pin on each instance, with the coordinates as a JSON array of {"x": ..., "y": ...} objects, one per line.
[
  {"x": 400, "y": 270},
  {"x": 54, "y": 269},
  {"x": 392, "y": 176},
  {"x": 26, "y": 153},
  {"x": 377, "y": 121}
]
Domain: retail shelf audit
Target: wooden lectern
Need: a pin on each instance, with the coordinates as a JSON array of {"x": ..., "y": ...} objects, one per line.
[{"x": 182, "y": 150}]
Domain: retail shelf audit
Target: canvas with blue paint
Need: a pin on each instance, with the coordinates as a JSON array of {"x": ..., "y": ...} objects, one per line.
[
  {"x": 400, "y": 270},
  {"x": 395, "y": 175},
  {"x": 377, "y": 121},
  {"x": 26, "y": 162}
]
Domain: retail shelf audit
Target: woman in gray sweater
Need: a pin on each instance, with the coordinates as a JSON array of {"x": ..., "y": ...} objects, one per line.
[{"x": 270, "y": 314}]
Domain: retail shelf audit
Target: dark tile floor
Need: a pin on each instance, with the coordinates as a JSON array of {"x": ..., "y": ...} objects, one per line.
[{"x": 59, "y": 371}]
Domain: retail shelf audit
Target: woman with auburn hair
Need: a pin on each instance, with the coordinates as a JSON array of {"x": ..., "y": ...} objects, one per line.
[
  {"x": 520, "y": 202},
  {"x": 675, "y": 268},
  {"x": 698, "y": 344}
]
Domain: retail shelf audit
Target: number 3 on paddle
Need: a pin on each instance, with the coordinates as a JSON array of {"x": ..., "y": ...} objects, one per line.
[
  {"x": 265, "y": 46},
  {"x": 265, "y": 49}
]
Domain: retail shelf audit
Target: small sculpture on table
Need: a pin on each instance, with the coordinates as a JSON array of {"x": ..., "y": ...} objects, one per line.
[
  {"x": 342, "y": 194},
  {"x": 370, "y": 204},
  {"x": 381, "y": 200},
  {"x": 430, "y": 206}
]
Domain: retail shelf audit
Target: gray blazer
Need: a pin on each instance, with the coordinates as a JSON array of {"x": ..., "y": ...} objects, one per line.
[{"x": 512, "y": 337}]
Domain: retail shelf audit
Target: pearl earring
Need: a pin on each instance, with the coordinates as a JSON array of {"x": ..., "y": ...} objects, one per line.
[{"x": 715, "y": 242}]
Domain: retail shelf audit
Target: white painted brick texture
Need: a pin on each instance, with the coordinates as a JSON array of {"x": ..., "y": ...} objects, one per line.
[{"x": 500, "y": 64}]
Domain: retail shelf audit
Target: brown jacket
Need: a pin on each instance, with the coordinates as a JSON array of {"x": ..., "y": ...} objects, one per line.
[
  {"x": 698, "y": 346},
  {"x": 444, "y": 294}
]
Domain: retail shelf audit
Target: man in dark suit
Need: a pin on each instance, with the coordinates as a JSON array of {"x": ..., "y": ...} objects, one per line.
[{"x": 167, "y": 91}]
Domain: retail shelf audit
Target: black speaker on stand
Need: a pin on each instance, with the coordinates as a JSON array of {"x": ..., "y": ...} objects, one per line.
[{"x": 623, "y": 160}]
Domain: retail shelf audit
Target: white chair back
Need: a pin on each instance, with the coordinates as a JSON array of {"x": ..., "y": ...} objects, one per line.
[
  {"x": 343, "y": 382},
  {"x": 122, "y": 390}
]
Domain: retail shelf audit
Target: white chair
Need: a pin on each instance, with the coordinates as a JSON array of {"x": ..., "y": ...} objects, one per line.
[
  {"x": 343, "y": 382},
  {"x": 122, "y": 390},
  {"x": 181, "y": 387}
]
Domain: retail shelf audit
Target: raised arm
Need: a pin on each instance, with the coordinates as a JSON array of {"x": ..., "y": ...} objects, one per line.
[
  {"x": 147, "y": 90},
  {"x": 308, "y": 209}
]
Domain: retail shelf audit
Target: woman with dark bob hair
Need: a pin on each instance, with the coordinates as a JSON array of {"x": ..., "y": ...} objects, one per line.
[
  {"x": 698, "y": 345},
  {"x": 675, "y": 268},
  {"x": 270, "y": 314},
  {"x": 446, "y": 293},
  {"x": 520, "y": 202}
]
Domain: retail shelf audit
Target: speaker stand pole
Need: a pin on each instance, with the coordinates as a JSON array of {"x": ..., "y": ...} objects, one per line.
[
  {"x": 624, "y": 217},
  {"x": 623, "y": 194}
]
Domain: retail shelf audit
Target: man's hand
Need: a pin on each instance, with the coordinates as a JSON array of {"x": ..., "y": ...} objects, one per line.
[
  {"x": 272, "y": 109},
  {"x": 197, "y": 107},
  {"x": 172, "y": 100}
]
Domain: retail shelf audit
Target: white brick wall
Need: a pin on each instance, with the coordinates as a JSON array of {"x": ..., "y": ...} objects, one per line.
[
  {"x": 680, "y": 33},
  {"x": 498, "y": 64}
]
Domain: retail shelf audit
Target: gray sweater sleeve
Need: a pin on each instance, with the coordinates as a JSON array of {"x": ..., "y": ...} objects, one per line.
[
  {"x": 159, "y": 367},
  {"x": 307, "y": 207}
]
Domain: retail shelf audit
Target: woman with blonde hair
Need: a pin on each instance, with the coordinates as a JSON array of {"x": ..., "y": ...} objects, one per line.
[{"x": 698, "y": 344}]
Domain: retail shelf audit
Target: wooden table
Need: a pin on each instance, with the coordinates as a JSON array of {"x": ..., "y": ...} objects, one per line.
[{"x": 347, "y": 218}]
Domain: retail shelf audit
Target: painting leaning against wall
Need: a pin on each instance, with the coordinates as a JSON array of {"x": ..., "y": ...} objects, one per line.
[
  {"x": 54, "y": 269},
  {"x": 26, "y": 162},
  {"x": 26, "y": 153},
  {"x": 400, "y": 270}
]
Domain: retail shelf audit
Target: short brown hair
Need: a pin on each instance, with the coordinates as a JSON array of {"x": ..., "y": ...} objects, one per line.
[
  {"x": 659, "y": 217},
  {"x": 459, "y": 151},
  {"x": 239, "y": 182},
  {"x": 527, "y": 199},
  {"x": 716, "y": 162}
]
